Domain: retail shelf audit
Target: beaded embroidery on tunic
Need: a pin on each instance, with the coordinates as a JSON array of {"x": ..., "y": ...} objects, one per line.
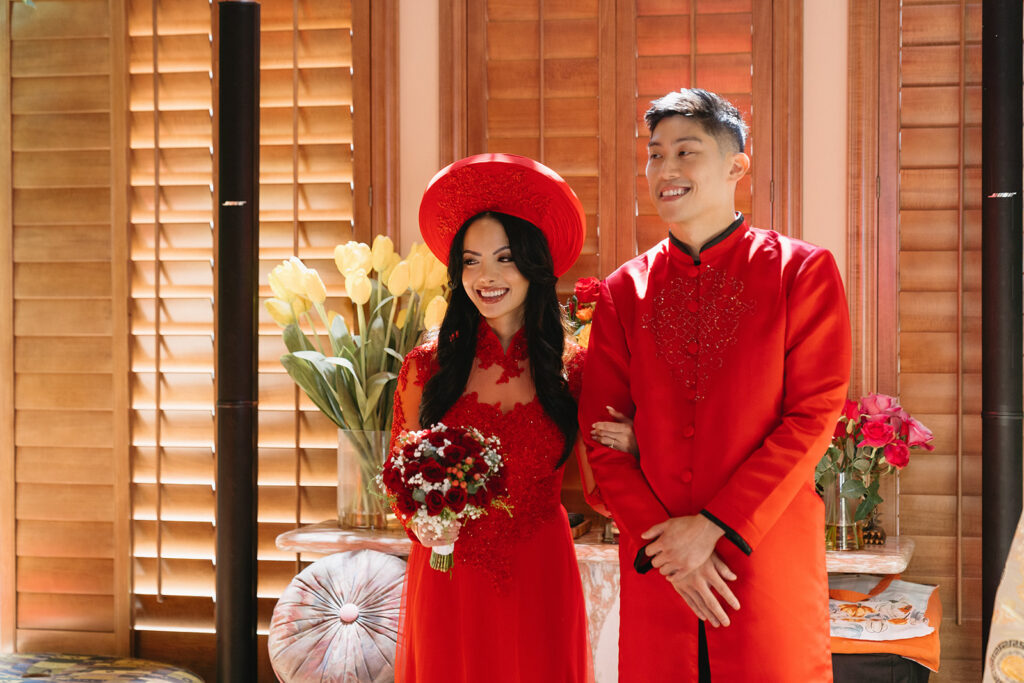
[{"x": 711, "y": 324}]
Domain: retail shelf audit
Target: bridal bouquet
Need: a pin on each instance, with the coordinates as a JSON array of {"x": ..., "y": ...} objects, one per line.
[
  {"x": 581, "y": 308},
  {"x": 436, "y": 478}
]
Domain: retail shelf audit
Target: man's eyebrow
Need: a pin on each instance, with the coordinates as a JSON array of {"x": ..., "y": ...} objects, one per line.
[{"x": 687, "y": 138}]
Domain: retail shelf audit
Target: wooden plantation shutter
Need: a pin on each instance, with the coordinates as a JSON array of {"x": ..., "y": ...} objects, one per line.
[
  {"x": 940, "y": 310},
  {"x": 305, "y": 209},
  {"x": 71, "y": 470}
]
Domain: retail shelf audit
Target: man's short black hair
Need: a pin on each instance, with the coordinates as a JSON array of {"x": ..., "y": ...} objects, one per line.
[{"x": 719, "y": 117}]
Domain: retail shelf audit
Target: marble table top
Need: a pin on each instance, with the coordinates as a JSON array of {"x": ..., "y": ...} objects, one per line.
[{"x": 327, "y": 537}]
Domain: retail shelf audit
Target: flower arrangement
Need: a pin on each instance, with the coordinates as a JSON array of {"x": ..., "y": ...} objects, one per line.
[
  {"x": 439, "y": 477},
  {"x": 873, "y": 437},
  {"x": 350, "y": 373},
  {"x": 581, "y": 306}
]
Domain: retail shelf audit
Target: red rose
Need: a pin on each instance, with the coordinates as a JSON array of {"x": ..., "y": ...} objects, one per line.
[
  {"x": 434, "y": 502},
  {"x": 851, "y": 411},
  {"x": 432, "y": 471},
  {"x": 454, "y": 454},
  {"x": 392, "y": 480},
  {"x": 456, "y": 498},
  {"x": 412, "y": 467},
  {"x": 876, "y": 434},
  {"x": 436, "y": 439},
  {"x": 587, "y": 290},
  {"x": 479, "y": 466},
  {"x": 409, "y": 450},
  {"x": 897, "y": 454},
  {"x": 405, "y": 503}
]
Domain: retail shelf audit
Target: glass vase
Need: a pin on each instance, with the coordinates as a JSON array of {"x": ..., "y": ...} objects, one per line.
[
  {"x": 361, "y": 503},
  {"x": 842, "y": 530}
]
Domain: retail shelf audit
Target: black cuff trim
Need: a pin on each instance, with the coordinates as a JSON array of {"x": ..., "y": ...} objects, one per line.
[
  {"x": 736, "y": 539},
  {"x": 642, "y": 562}
]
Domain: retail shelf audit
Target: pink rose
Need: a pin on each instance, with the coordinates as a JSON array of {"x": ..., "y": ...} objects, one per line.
[
  {"x": 879, "y": 404},
  {"x": 587, "y": 290},
  {"x": 876, "y": 434},
  {"x": 897, "y": 454},
  {"x": 918, "y": 434}
]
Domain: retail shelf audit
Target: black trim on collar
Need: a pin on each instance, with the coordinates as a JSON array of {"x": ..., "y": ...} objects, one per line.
[{"x": 720, "y": 237}]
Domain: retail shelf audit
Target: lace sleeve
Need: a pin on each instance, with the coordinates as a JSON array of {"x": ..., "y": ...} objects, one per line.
[{"x": 416, "y": 370}]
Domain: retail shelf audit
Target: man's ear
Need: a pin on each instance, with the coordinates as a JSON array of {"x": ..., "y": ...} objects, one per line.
[{"x": 739, "y": 166}]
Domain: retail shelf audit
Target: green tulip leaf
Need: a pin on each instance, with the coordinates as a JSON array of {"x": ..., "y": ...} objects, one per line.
[
  {"x": 312, "y": 382},
  {"x": 825, "y": 479},
  {"x": 375, "y": 387},
  {"x": 341, "y": 339},
  {"x": 379, "y": 310},
  {"x": 295, "y": 339}
]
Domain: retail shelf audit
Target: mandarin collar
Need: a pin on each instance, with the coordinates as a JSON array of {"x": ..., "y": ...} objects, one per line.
[
  {"x": 489, "y": 351},
  {"x": 716, "y": 244}
]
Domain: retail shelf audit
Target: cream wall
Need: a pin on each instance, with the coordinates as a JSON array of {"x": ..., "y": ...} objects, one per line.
[
  {"x": 824, "y": 116},
  {"x": 825, "y": 126},
  {"x": 418, "y": 126}
]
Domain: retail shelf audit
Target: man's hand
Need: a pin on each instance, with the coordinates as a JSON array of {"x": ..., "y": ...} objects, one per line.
[
  {"x": 681, "y": 544},
  {"x": 696, "y": 589}
]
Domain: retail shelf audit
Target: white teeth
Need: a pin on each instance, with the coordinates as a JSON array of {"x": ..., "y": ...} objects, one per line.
[
  {"x": 492, "y": 293},
  {"x": 675, "y": 192}
]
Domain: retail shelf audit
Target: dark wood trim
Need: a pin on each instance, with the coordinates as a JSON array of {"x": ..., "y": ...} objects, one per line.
[
  {"x": 384, "y": 164},
  {"x": 862, "y": 186},
  {"x": 626, "y": 123},
  {"x": 8, "y": 547},
  {"x": 787, "y": 117},
  {"x": 888, "y": 79},
  {"x": 762, "y": 126},
  {"x": 452, "y": 80},
  {"x": 608, "y": 116},
  {"x": 476, "y": 77}
]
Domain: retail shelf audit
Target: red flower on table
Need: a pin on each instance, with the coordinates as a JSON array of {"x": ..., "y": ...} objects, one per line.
[
  {"x": 918, "y": 434},
  {"x": 876, "y": 434},
  {"x": 897, "y": 454},
  {"x": 587, "y": 290}
]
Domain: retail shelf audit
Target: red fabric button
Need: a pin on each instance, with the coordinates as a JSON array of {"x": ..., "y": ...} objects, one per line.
[
  {"x": 686, "y": 476},
  {"x": 692, "y": 347},
  {"x": 688, "y": 431},
  {"x": 692, "y": 306}
]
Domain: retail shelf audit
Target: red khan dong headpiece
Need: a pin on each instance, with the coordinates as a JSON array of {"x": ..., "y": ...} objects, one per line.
[{"x": 504, "y": 183}]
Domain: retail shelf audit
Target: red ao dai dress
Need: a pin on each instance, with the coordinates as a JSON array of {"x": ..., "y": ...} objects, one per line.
[
  {"x": 511, "y": 610},
  {"x": 734, "y": 368}
]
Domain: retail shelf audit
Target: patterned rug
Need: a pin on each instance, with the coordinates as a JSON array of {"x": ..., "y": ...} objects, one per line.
[{"x": 83, "y": 668}]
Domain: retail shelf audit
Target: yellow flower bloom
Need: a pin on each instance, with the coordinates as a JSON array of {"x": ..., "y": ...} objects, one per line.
[
  {"x": 276, "y": 286},
  {"x": 289, "y": 275},
  {"x": 401, "y": 317},
  {"x": 417, "y": 271},
  {"x": 314, "y": 286},
  {"x": 434, "y": 313},
  {"x": 583, "y": 338},
  {"x": 280, "y": 311},
  {"x": 381, "y": 252},
  {"x": 352, "y": 256},
  {"x": 300, "y": 304},
  {"x": 358, "y": 287},
  {"x": 437, "y": 273},
  {"x": 398, "y": 280},
  {"x": 390, "y": 267}
]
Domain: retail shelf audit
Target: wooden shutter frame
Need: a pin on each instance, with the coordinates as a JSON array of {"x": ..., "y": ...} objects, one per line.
[{"x": 8, "y": 548}]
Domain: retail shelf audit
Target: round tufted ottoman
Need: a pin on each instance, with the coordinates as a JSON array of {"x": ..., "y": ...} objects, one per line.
[
  {"x": 337, "y": 621},
  {"x": 80, "y": 668}
]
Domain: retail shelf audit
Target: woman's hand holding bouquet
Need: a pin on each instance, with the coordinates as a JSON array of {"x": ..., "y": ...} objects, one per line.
[{"x": 438, "y": 478}]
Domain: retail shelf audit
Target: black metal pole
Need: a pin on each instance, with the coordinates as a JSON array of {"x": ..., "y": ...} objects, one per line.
[
  {"x": 1002, "y": 389},
  {"x": 237, "y": 301}
]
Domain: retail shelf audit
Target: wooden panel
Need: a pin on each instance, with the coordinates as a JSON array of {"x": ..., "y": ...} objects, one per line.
[
  {"x": 65, "y": 576},
  {"x": 65, "y": 612},
  {"x": 59, "y": 503},
  {"x": 73, "y": 539},
  {"x": 64, "y": 466}
]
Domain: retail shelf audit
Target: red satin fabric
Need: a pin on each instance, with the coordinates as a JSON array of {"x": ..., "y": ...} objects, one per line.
[
  {"x": 734, "y": 371},
  {"x": 512, "y": 607}
]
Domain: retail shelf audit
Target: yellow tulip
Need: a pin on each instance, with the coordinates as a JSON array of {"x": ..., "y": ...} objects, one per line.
[
  {"x": 300, "y": 304},
  {"x": 280, "y": 311},
  {"x": 401, "y": 317},
  {"x": 437, "y": 273},
  {"x": 362, "y": 257},
  {"x": 381, "y": 252},
  {"x": 291, "y": 274},
  {"x": 434, "y": 313},
  {"x": 417, "y": 271},
  {"x": 314, "y": 286},
  {"x": 358, "y": 287},
  {"x": 398, "y": 280},
  {"x": 390, "y": 267},
  {"x": 331, "y": 315},
  {"x": 280, "y": 291},
  {"x": 341, "y": 257}
]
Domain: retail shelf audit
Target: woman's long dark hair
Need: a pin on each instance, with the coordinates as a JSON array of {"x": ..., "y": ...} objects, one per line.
[{"x": 543, "y": 327}]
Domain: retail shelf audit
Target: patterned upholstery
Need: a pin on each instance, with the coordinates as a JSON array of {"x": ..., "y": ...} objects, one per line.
[
  {"x": 80, "y": 668},
  {"x": 338, "y": 620}
]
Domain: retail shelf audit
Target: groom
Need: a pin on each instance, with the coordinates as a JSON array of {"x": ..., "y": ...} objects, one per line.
[{"x": 729, "y": 347}]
